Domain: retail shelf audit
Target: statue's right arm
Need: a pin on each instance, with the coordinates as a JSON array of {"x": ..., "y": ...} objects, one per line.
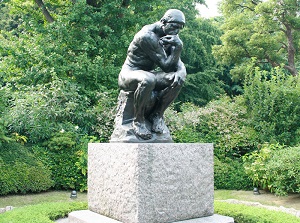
[{"x": 149, "y": 42}]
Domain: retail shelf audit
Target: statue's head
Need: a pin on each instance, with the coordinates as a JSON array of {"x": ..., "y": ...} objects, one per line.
[{"x": 173, "y": 16}]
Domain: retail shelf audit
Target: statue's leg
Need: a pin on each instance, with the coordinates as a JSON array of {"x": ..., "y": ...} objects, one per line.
[
  {"x": 166, "y": 95},
  {"x": 165, "y": 98},
  {"x": 141, "y": 97}
]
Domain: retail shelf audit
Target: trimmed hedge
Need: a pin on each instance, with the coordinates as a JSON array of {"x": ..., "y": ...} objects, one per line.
[
  {"x": 230, "y": 174},
  {"x": 248, "y": 214},
  {"x": 41, "y": 213},
  {"x": 21, "y": 172}
]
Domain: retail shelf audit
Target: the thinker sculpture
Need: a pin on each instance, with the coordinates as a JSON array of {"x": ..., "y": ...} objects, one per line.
[{"x": 150, "y": 80}]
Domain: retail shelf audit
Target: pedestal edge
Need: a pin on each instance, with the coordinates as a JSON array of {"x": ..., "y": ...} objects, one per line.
[{"x": 87, "y": 216}]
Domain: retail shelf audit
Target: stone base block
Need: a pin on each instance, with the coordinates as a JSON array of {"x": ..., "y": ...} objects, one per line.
[
  {"x": 150, "y": 182},
  {"x": 86, "y": 216},
  {"x": 91, "y": 217},
  {"x": 211, "y": 219}
]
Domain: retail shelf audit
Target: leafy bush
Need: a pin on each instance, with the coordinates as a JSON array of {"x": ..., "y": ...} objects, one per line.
[
  {"x": 61, "y": 153},
  {"x": 3, "y": 103},
  {"x": 37, "y": 112},
  {"x": 222, "y": 122},
  {"x": 105, "y": 111},
  {"x": 275, "y": 168},
  {"x": 273, "y": 103},
  {"x": 230, "y": 175},
  {"x": 21, "y": 172},
  {"x": 41, "y": 213},
  {"x": 248, "y": 214}
]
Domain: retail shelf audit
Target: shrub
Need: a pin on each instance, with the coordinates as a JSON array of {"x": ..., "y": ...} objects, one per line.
[
  {"x": 41, "y": 213},
  {"x": 3, "y": 103},
  {"x": 273, "y": 104},
  {"x": 105, "y": 111},
  {"x": 248, "y": 214},
  {"x": 65, "y": 154},
  {"x": 284, "y": 171},
  {"x": 230, "y": 175},
  {"x": 275, "y": 168},
  {"x": 37, "y": 112},
  {"x": 222, "y": 122},
  {"x": 21, "y": 172},
  {"x": 59, "y": 154}
]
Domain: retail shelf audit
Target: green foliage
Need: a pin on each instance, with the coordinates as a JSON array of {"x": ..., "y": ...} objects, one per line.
[
  {"x": 37, "y": 112},
  {"x": 21, "y": 172},
  {"x": 275, "y": 168},
  {"x": 64, "y": 153},
  {"x": 82, "y": 159},
  {"x": 71, "y": 48},
  {"x": 230, "y": 175},
  {"x": 222, "y": 122},
  {"x": 200, "y": 88},
  {"x": 105, "y": 111},
  {"x": 284, "y": 169},
  {"x": 198, "y": 37},
  {"x": 265, "y": 30},
  {"x": 3, "y": 131},
  {"x": 248, "y": 214},
  {"x": 41, "y": 213},
  {"x": 202, "y": 84},
  {"x": 255, "y": 164},
  {"x": 273, "y": 104}
]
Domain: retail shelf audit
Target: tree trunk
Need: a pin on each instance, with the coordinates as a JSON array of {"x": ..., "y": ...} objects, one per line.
[
  {"x": 291, "y": 51},
  {"x": 46, "y": 13}
]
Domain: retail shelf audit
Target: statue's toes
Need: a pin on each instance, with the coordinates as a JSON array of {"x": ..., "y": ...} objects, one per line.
[
  {"x": 145, "y": 136},
  {"x": 158, "y": 129},
  {"x": 143, "y": 133}
]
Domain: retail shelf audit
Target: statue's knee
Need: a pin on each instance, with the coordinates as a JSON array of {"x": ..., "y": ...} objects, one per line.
[{"x": 149, "y": 82}]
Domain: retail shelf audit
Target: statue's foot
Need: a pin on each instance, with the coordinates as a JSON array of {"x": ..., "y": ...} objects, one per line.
[
  {"x": 158, "y": 124},
  {"x": 141, "y": 130}
]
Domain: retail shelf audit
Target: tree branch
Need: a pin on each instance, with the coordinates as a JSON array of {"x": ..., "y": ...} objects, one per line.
[
  {"x": 45, "y": 12},
  {"x": 244, "y": 7}
]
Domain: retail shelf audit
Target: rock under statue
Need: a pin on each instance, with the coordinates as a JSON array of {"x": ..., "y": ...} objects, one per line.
[{"x": 150, "y": 80}]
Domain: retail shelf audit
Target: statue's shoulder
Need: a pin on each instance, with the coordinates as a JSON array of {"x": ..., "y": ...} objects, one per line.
[{"x": 147, "y": 34}]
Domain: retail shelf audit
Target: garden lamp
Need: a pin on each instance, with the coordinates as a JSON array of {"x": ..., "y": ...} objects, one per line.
[
  {"x": 256, "y": 191},
  {"x": 73, "y": 194}
]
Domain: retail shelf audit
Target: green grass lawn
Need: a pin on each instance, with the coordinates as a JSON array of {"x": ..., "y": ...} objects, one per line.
[
  {"x": 265, "y": 198},
  {"x": 31, "y": 199}
]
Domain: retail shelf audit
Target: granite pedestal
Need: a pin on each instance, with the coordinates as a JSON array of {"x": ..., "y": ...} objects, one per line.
[{"x": 150, "y": 183}]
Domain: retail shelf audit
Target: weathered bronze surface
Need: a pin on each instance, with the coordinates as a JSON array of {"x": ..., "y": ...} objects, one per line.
[{"x": 150, "y": 80}]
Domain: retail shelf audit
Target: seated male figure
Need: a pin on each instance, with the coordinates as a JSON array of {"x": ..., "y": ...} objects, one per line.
[{"x": 154, "y": 46}]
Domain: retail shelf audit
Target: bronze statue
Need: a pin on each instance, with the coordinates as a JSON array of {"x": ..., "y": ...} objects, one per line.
[{"x": 150, "y": 80}]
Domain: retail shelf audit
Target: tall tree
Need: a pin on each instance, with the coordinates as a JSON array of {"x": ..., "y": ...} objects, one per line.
[{"x": 266, "y": 30}]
